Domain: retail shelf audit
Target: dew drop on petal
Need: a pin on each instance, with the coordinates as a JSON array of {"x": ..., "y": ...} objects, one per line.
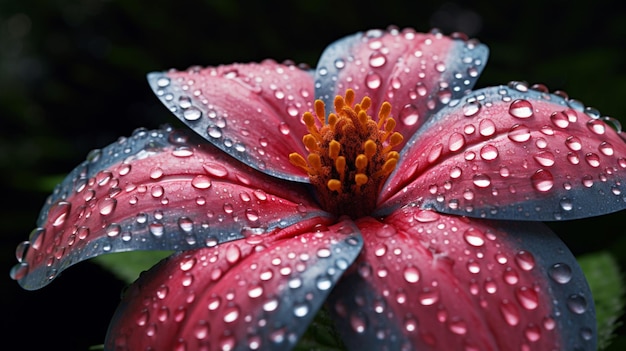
[
  {"x": 481, "y": 180},
  {"x": 471, "y": 108},
  {"x": 542, "y": 180},
  {"x": 106, "y": 206},
  {"x": 525, "y": 260},
  {"x": 201, "y": 182},
  {"x": 489, "y": 152},
  {"x": 560, "y": 273},
  {"x": 577, "y": 304},
  {"x": 521, "y": 108},
  {"x": 409, "y": 115},
  {"x": 411, "y": 274},
  {"x": 560, "y": 119},
  {"x": 527, "y": 298},
  {"x": 192, "y": 114},
  {"x": 519, "y": 133},
  {"x": 373, "y": 80},
  {"x": 509, "y": 312}
]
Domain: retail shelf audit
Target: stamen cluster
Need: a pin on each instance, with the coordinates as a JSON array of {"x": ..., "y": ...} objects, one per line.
[{"x": 350, "y": 155}]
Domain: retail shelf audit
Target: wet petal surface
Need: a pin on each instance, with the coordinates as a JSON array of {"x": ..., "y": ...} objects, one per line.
[
  {"x": 251, "y": 111},
  {"x": 255, "y": 293},
  {"x": 513, "y": 153},
  {"x": 418, "y": 73},
  {"x": 157, "y": 190},
  {"x": 427, "y": 281}
]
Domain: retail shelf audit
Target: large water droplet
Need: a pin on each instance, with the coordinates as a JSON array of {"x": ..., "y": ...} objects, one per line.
[
  {"x": 577, "y": 304},
  {"x": 377, "y": 59},
  {"x": 489, "y": 152},
  {"x": 560, "y": 273},
  {"x": 192, "y": 114},
  {"x": 509, "y": 312},
  {"x": 411, "y": 274},
  {"x": 471, "y": 108},
  {"x": 542, "y": 180},
  {"x": 481, "y": 180},
  {"x": 521, "y": 108},
  {"x": 519, "y": 133}
]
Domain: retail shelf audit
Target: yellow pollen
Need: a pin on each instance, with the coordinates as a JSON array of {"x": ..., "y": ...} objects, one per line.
[{"x": 350, "y": 155}]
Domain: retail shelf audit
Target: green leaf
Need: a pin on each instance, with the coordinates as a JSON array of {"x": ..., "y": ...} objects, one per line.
[
  {"x": 128, "y": 265},
  {"x": 321, "y": 335},
  {"x": 607, "y": 287}
]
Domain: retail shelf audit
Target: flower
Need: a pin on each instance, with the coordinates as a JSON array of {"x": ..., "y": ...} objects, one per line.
[{"x": 378, "y": 184}]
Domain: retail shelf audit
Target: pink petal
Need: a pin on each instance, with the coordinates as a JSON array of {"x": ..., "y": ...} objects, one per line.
[
  {"x": 427, "y": 281},
  {"x": 510, "y": 154},
  {"x": 418, "y": 73},
  {"x": 256, "y": 293},
  {"x": 251, "y": 111},
  {"x": 158, "y": 190}
]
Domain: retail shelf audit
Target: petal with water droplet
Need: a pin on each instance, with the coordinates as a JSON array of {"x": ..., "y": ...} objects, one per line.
[
  {"x": 240, "y": 295},
  {"x": 251, "y": 111},
  {"x": 534, "y": 156},
  {"x": 452, "y": 283},
  {"x": 166, "y": 201},
  {"x": 417, "y": 73}
]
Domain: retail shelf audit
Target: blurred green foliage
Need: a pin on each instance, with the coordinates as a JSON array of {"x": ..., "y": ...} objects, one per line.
[{"x": 72, "y": 78}]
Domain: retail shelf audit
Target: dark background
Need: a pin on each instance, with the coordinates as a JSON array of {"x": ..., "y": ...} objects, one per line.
[{"x": 72, "y": 78}]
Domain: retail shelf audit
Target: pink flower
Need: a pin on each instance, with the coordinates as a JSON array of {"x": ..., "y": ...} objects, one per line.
[{"x": 400, "y": 198}]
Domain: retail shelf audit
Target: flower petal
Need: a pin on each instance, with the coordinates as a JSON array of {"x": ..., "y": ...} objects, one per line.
[
  {"x": 251, "y": 111},
  {"x": 510, "y": 154},
  {"x": 157, "y": 190},
  {"x": 427, "y": 281},
  {"x": 418, "y": 73},
  {"x": 256, "y": 293}
]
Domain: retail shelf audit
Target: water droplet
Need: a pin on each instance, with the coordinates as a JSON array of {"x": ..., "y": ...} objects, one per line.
[
  {"x": 301, "y": 309},
  {"x": 455, "y": 172},
  {"x": 373, "y": 80},
  {"x": 560, "y": 119},
  {"x": 58, "y": 213},
  {"x": 527, "y": 297},
  {"x": 489, "y": 152},
  {"x": 458, "y": 326},
  {"x": 106, "y": 206},
  {"x": 573, "y": 143},
  {"x": 471, "y": 108},
  {"x": 592, "y": 159},
  {"x": 283, "y": 128},
  {"x": 411, "y": 274},
  {"x": 545, "y": 158},
  {"x": 596, "y": 126},
  {"x": 428, "y": 297},
  {"x": 377, "y": 59},
  {"x": 486, "y": 127},
  {"x": 201, "y": 182},
  {"x": 358, "y": 323},
  {"x": 525, "y": 260},
  {"x": 409, "y": 115},
  {"x": 542, "y": 180},
  {"x": 510, "y": 276},
  {"x": 481, "y": 180},
  {"x": 519, "y": 133},
  {"x": 577, "y": 304},
  {"x": 560, "y": 273},
  {"x": 474, "y": 237},
  {"x": 606, "y": 148},
  {"x": 532, "y": 333},
  {"x": 231, "y": 314},
  {"x": 456, "y": 142},
  {"x": 509, "y": 312},
  {"x": 521, "y": 108},
  {"x": 426, "y": 216},
  {"x": 192, "y": 114}
]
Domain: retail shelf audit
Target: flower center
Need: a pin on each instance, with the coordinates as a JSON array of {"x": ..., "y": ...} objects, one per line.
[{"x": 350, "y": 156}]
